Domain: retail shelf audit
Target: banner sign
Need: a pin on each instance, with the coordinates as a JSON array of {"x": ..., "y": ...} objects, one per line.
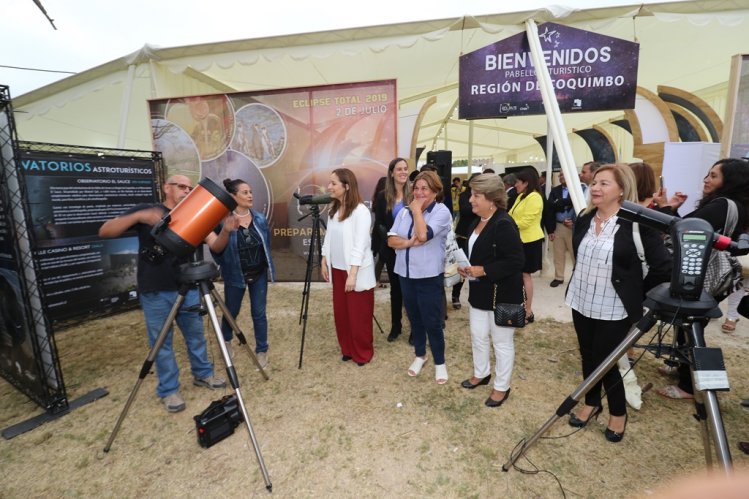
[
  {"x": 589, "y": 72},
  {"x": 281, "y": 142},
  {"x": 69, "y": 197},
  {"x": 18, "y": 361}
]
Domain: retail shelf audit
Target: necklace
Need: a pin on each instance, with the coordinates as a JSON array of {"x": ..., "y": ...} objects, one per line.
[
  {"x": 604, "y": 220},
  {"x": 242, "y": 216},
  {"x": 487, "y": 218}
]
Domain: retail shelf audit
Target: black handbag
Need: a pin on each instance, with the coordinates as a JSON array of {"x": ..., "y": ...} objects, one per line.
[
  {"x": 253, "y": 275},
  {"x": 509, "y": 314}
]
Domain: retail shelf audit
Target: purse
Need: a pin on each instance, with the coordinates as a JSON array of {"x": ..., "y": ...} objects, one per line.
[
  {"x": 509, "y": 314},
  {"x": 723, "y": 271},
  {"x": 253, "y": 275}
]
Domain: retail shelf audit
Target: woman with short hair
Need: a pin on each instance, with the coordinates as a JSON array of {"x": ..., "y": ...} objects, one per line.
[
  {"x": 495, "y": 252},
  {"x": 418, "y": 236},
  {"x": 607, "y": 287}
]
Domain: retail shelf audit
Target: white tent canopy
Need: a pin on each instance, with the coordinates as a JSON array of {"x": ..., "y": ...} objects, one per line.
[{"x": 686, "y": 45}]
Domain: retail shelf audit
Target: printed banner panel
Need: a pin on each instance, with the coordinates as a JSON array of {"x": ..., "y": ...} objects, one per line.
[
  {"x": 69, "y": 197},
  {"x": 17, "y": 358},
  {"x": 589, "y": 72},
  {"x": 282, "y": 142}
]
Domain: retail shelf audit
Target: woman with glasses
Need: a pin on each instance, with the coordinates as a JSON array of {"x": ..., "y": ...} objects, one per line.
[{"x": 246, "y": 263}]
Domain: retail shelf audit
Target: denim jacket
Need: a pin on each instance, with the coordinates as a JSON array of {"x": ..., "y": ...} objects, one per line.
[{"x": 231, "y": 269}]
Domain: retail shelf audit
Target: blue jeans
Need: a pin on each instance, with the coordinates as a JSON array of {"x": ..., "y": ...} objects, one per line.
[
  {"x": 156, "y": 307},
  {"x": 258, "y": 297},
  {"x": 423, "y": 300}
]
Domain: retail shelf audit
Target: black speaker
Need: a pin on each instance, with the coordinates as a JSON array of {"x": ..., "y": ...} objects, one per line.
[{"x": 443, "y": 161}]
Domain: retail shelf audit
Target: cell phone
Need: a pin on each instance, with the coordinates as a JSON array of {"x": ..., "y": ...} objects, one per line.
[{"x": 661, "y": 181}]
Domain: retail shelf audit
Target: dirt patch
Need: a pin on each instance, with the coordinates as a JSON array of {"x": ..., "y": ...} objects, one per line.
[{"x": 332, "y": 429}]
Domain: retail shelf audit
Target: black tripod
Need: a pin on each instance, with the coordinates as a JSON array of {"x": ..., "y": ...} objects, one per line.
[
  {"x": 684, "y": 304},
  {"x": 199, "y": 273},
  {"x": 315, "y": 244}
]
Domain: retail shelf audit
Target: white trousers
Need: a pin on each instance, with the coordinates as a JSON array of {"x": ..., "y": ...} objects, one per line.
[
  {"x": 734, "y": 299},
  {"x": 484, "y": 333}
]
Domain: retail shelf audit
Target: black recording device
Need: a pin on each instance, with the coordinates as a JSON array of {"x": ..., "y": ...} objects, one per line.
[
  {"x": 218, "y": 421},
  {"x": 693, "y": 241},
  {"x": 314, "y": 200}
]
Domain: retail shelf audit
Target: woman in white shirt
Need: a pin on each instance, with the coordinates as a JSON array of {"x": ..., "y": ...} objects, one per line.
[{"x": 347, "y": 262}]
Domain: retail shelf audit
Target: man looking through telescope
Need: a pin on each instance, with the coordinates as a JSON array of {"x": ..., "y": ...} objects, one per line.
[{"x": 158, "y": 287}]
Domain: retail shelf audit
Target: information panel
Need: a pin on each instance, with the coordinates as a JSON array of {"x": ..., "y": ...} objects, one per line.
[{"x": 69, "y": 197}]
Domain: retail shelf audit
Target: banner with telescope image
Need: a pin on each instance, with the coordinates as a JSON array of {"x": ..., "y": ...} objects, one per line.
[
  {"x": 589, "y": 72},
  {"x": 281, "y": 142}
]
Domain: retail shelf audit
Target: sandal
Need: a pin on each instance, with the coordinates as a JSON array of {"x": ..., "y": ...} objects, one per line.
[
  {"x": 416, "y": 366},
  {"x": 729, "y": 326},
  {"x": 674, "y": 392},
  {"x": 667, "y": 370},
  {"x": 440, "y": 374}
]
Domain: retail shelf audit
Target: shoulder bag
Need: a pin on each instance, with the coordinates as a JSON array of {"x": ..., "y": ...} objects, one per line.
[
  {"x": 509, "y": 314},
  {"x": 723, "y": 271}
]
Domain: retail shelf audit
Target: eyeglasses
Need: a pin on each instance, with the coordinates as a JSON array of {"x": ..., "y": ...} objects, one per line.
[{"x": 183, "y": 187}]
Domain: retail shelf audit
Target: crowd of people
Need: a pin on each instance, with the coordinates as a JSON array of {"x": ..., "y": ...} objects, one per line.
[{"x": 499, "y": 222}]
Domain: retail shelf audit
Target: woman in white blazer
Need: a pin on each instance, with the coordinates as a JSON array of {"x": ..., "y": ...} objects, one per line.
[{"x": 347, "y": 262}]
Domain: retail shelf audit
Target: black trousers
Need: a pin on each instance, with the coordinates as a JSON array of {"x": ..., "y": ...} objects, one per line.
[
  {"x": 597, "y": 339},
  {"x": 396, "y": 296}
]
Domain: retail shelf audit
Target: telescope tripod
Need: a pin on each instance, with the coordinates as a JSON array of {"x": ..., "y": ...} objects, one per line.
[
  {"x": 706, "y": 366},
  {"x": 199, "y": 273},
  {"x": 315, "y": 244}
]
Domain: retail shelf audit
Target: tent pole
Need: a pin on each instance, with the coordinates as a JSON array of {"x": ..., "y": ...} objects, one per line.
[
  {"x": 554, "y": 115},
  {"x": 470, "y": 147},
  {"x": 125, "y": 106},
  {"x": 549, "y": 159}
]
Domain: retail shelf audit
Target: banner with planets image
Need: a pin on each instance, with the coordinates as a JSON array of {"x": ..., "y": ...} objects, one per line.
[{"x": 281, "y": 142}]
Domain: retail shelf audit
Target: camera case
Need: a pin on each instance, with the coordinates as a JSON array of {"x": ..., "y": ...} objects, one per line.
[{"x": 217, "y": 421}]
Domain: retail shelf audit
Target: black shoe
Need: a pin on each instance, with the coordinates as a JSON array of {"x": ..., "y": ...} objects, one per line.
[
  {"x": 467, "y": 383},
  {"x": 411, "y": 339},
  {"x": 555, "y": 283},
  {"x": 345, "y": 358},
  {"x": 490, "y": 402},
  {"x": 360, "y": 364},
  {"x": 394, "y": 333},
  {"x": 744, "y": 402},
  {"x": 456, "y": 303},
  {"x": 576, "y": 422},
  {"x": 613, "y": 436}
]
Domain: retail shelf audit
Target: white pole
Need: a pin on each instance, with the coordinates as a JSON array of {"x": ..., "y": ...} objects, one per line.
[{"x": 554, "y": 116}]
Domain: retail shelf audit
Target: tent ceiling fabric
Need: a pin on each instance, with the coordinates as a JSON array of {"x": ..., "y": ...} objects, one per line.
[{"x": 686, "y": 45}]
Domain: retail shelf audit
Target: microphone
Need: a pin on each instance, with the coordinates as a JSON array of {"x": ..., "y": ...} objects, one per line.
[{"x": 310, "y": 199}]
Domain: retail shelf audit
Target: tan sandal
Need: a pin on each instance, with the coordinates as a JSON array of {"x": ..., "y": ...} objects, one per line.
[{"x": 729, "y": 326}]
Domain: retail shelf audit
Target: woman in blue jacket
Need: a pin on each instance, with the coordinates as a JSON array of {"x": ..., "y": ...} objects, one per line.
[{"x": 246, "y": 263}]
